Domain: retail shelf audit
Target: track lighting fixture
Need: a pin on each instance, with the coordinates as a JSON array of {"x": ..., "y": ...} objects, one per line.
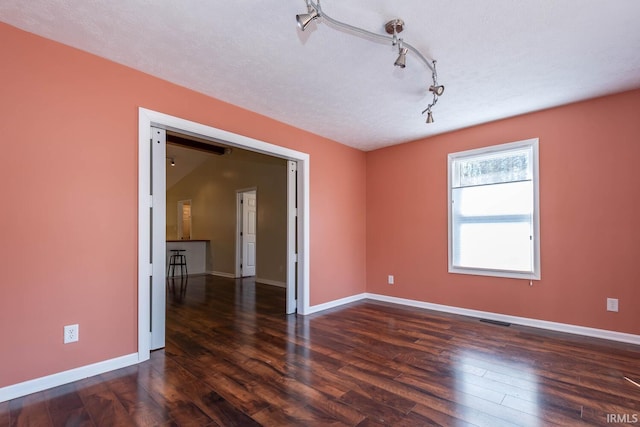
[
  {"x": 402, "y": 57},
  {"x": 305, "y": 19},
  {"x": 438, "y": 90},
  {"x": 429, "y": 117},
  {"x": 393, "y": 28}
]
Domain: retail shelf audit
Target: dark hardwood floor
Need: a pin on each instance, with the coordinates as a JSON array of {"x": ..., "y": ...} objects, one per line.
[{"x": 233, "y": 358}]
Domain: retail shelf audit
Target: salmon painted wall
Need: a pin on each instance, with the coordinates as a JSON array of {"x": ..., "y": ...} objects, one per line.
[
  {"x": 68, "y": 222},
  {"x": 590, "y": 205}
]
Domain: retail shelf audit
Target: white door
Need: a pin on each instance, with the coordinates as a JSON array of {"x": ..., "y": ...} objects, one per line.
[
  {"x": 158, "y": 237},
  {"x": 292, "y": 243},
  {"x": 249, "y": 208}
]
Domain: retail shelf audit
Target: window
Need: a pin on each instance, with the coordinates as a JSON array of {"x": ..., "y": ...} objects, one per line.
[{"x": 494, "y": 227}]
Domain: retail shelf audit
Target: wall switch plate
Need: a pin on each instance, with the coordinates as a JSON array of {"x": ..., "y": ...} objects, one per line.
[
  {"x": 70, "y": 333},
  {"x": 390, "y": 279},
  {"x": 612, "y": 304}
]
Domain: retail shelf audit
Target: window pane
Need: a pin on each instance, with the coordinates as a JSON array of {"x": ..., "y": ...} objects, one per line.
[
  {"x": 508, "y": 166},
  {"x": 492, "y": 226},
  {"x": 499, "y": 246},
  {"x": 513, "y": 198}
]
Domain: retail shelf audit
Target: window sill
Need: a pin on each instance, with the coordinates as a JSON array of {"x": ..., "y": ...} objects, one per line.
[{"x": 524, "y": 275}]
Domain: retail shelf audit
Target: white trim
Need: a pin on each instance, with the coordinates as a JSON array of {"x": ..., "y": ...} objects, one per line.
[
  {"x": 335, "y": 303},
  {"x": 66, "y": 377},
  {"x": 270, "y": 282},
  {"x": 221, "y": 274},
  {"x": 158, "y": 237},
  {"x": 524, "y": 321},
  {"x": 144, "y": 233},
  {"x": 533, "y": 144},
  {"x": 147, "y": 118},
  {"x": 302, "y": 257}
]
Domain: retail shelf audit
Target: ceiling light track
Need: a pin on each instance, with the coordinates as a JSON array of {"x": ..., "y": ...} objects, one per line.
[{"x": 393, "y": 27}]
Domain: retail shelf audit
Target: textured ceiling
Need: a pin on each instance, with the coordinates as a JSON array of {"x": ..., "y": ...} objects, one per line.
[{"x": 496, "y": 58}]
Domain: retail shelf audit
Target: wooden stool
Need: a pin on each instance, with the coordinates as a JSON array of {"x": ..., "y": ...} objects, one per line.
[{"x": 177, "y": 258}]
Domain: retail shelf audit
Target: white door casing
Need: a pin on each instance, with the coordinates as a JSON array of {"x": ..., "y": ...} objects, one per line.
[
  {"x": 248, "y": 235},
  {"x": 146, "y": 215}
]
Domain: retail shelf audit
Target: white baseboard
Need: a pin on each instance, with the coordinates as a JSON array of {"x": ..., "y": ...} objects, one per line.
[
  {"x": 524, "y": 321},
  {"x": 332, "y": 304},
  {"x": 535, "y": 323},
  {"x": 66, "y": 377},
  {"x": 271, "y": 282},
  {"x": 257, "y": 279},
  {"x": 222, "y": 274}
]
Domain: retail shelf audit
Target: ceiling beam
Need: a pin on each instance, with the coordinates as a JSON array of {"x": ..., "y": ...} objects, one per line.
[{"x": 196, "y": 145}]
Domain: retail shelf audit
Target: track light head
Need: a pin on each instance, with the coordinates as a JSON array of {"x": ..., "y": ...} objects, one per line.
[
  {"x": 438, "y": 90},
  {"x": 429, "y": 117},
  {"x": 305, "y": 18},
  {"x": 402, "y": 57}
]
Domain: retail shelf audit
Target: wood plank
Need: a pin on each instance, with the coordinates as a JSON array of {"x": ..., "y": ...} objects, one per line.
[
  {"x": 104, "y": 407},
  {"x": 30, "y": 410},
  {"x": 66, "y": 407},
  {"x": 189, "y": 399},
  {"x": 131, "y": 393}
]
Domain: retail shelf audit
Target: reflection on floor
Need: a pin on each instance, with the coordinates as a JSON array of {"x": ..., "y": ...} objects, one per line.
[{"x": 177, "y": 287}]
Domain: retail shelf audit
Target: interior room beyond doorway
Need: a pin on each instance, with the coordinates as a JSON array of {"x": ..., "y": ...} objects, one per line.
[{"x": 207, "y": 183}]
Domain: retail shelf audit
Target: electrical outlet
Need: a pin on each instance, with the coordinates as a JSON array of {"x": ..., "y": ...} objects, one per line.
[
  {"x": 612, "y": 304},
  {"x": 390, "y": 279},
  {"x": 70, "y": 333}
]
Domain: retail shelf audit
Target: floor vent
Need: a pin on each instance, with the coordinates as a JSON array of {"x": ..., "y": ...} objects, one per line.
[{"x": 495, "y": 322}]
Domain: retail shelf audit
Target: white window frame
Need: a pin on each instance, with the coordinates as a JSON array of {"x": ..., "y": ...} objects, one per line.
[{"x": 533, "y": 144}]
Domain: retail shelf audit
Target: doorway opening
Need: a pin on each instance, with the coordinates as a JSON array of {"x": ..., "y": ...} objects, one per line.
[
  {"x": 246, "y": 232},
  {"x": 184, "y": 220},
  {"x": 152, "y": 155}
]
